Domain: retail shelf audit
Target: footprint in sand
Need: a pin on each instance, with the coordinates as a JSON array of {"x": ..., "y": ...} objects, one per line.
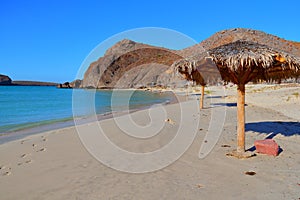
[
  {"x": 24, "y": 141},
  {"x": 42, "y": 149},
  {"x": 44, "y": 138},
  {"x": 24, "y": 155},
  {"x": 26, "y": 162},
  {"x": 7, "y": 173}
]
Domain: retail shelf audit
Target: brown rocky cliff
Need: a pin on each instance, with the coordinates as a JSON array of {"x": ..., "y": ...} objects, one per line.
[
  {"x": 118, "y": 67},
  {"x": 93, "y": 73}
]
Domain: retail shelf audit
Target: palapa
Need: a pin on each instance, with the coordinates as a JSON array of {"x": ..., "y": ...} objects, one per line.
[
  {"x": 241, "y": 62},
  {"x": 199, "y": 70}
]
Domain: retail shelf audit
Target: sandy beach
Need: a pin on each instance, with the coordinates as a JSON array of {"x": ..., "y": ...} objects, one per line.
[{"x": 56, "y": 164}]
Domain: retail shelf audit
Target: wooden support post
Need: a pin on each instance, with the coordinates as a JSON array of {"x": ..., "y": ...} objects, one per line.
[
  {"x": 241, "y": 118},
  {"x": 202, "y": 97}
]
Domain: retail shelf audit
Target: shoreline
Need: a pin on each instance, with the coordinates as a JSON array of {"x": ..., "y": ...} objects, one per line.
[
  {"x": 52, "y": 125},
  {"x": 181, "y": 93}
]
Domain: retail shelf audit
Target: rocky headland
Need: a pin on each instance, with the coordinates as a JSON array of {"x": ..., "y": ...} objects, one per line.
[{"x": 5, "y": 80}]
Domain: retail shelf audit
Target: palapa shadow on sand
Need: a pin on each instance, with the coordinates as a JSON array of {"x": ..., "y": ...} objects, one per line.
[
  {"x": 274, "y": 128},
  {"x": 216, "y": 97},
  {"x": 226, "y": 104},
  {"x": 209, "y": 97}
]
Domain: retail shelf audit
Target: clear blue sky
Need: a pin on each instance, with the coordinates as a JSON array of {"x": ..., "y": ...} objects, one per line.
[{"x": 47, "y": 40}]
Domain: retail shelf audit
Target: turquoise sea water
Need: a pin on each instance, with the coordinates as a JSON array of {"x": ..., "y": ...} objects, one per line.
[{"x": 24, "y": 107}]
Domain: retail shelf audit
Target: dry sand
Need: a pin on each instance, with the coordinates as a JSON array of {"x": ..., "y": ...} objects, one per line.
[{"x": 56, "y": 165}]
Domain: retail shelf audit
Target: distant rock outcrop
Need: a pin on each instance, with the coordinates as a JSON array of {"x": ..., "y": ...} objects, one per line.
[
  {"x": 74, "y": 84},
  {"x": 64, "y": 85},
  {"x": 129, "y": 64},
  {"x": 5, "y": 80}
]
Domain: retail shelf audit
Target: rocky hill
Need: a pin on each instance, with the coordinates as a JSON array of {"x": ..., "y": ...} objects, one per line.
[
  {"x": 129, "y": 64},
  {"x": 232, "y": 35},
  {"x": 5, "y": 80}
]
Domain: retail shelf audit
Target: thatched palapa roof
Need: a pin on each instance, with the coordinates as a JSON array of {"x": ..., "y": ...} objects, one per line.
[
  {"x": 240, "y": 62},
  {"x": 197, "y": 69},
  {"x": 243, "y": 61}
]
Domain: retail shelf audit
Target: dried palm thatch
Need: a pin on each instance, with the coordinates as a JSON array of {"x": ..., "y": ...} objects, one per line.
[
  {"x": 188, "y": 69},
  {"x": 199, "y": 70},
  {"x": 243, "y": 61}
]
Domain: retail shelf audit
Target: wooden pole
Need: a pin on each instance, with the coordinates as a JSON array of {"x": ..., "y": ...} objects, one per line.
[
  {"x": 241, "y": 118},
  {"x": 202, "y": 97},
  {"x": 187, "y": 92}
]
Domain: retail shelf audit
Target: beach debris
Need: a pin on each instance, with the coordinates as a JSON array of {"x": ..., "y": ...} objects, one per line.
[
  {"x": 170, "y": 121},
  {"x": 200, "y": 129},
  {"x": 250, "y": 173},
  {"x": 34, "y": 145},
  {"x": 225, "y": 145},
  {"x": 267, "y": 146},
  {"x": 298, "y": 184},
  {"x": 44, "y": 139},
  {"x": 200, "y": 185}
]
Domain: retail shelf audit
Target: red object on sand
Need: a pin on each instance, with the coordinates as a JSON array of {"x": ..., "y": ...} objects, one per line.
[{"x": 267, "y": 146}]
